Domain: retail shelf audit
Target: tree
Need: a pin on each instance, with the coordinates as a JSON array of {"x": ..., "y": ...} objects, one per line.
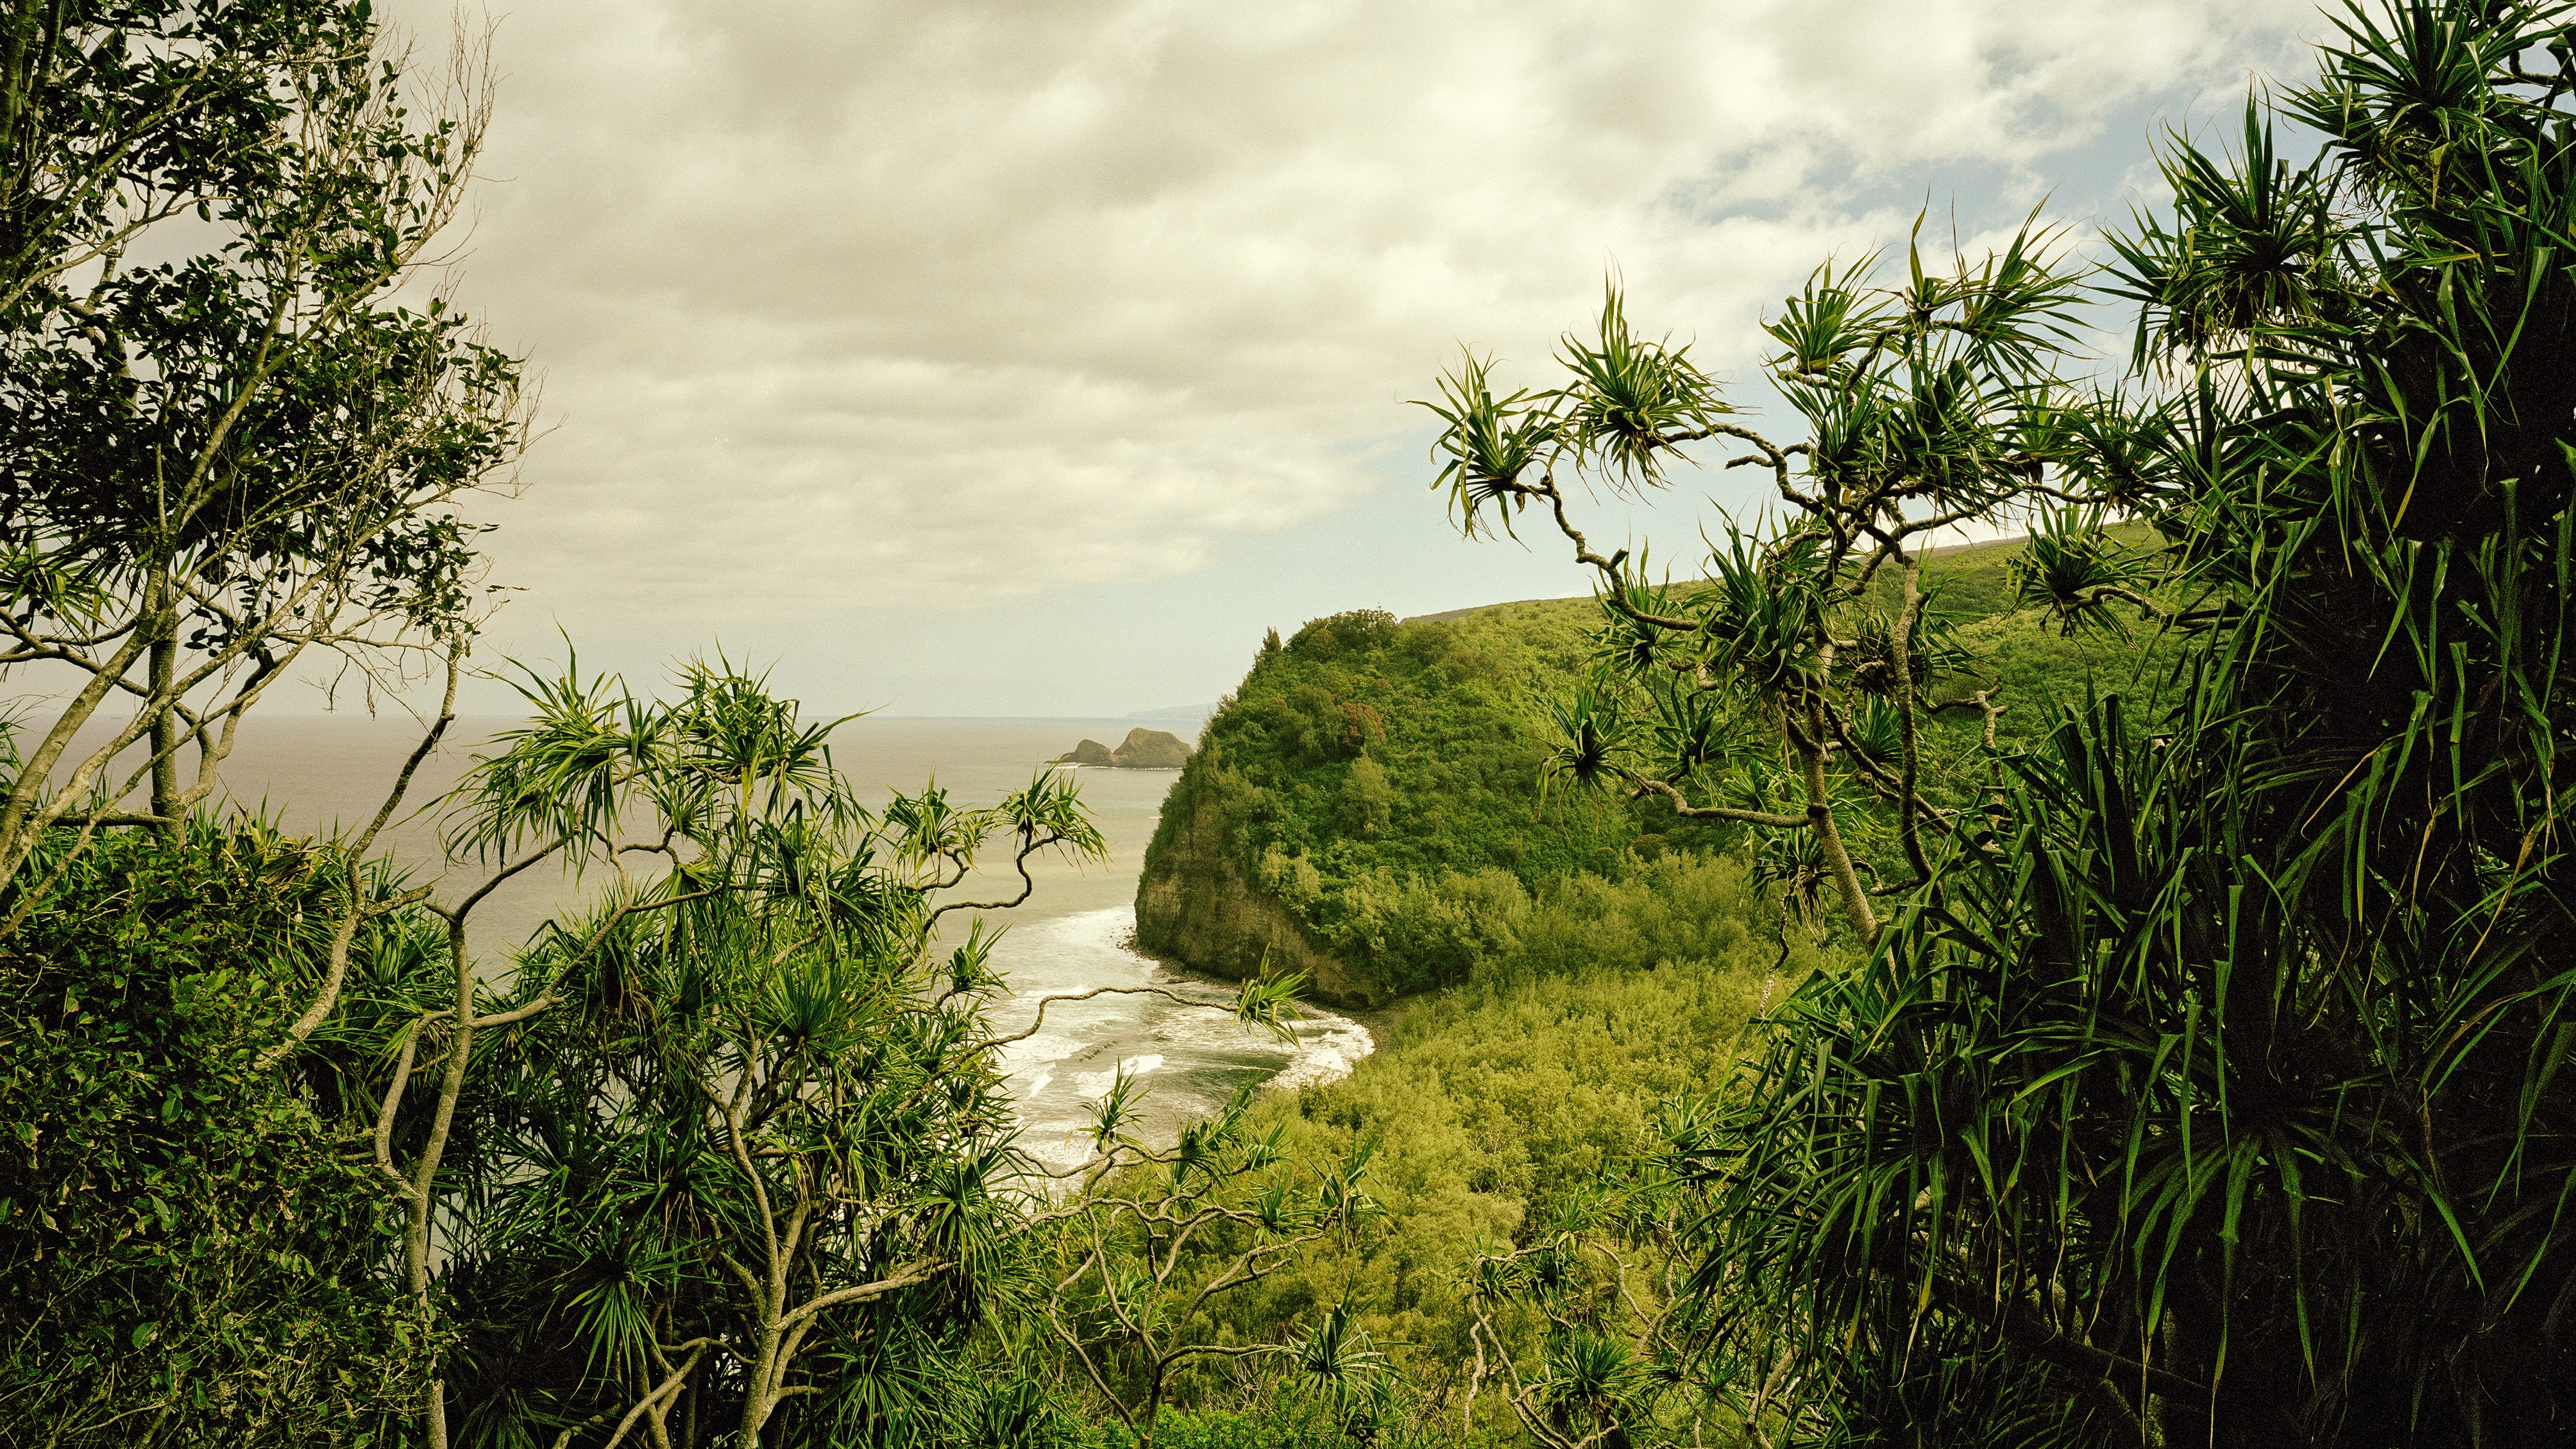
[
  {"x": 294, "y": 1153},
  {"x": 2208, "y": 1085},
  {"x": 215, "y": 469},
  {"x": 726, "y": 1153},
  {"x": 1601, "y": 1371},
  {"x": 1147, "y": 1252},
  {"x": 1928, "y": 405},
  {"x": 119, "y": 115}
]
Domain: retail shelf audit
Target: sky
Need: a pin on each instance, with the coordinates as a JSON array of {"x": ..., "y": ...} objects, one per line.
[{"x": 1033, "y": 358}]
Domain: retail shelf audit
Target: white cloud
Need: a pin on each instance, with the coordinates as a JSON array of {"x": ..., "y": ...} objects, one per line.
[{"x": 855, "y": 305}]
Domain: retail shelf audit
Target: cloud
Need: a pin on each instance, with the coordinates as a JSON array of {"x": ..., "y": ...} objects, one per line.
[{"x": 851, "y": 306}]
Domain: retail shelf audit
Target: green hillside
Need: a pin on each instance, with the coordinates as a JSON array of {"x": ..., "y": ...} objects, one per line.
[{"x": 1365, "y": 807}]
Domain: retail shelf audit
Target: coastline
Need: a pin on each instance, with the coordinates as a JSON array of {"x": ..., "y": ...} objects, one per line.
[{"x": 1378, "y": 1021}]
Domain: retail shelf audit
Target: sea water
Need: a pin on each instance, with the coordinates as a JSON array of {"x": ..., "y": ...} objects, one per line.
[
  {"x": 1075, "y": 932},
  {"x": 1189, "y": 1054}
]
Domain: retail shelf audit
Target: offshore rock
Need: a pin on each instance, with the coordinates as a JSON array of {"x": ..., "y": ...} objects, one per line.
[
  {"x": 1150, "y": 750},
  {"x": 1089, "y": 752}
]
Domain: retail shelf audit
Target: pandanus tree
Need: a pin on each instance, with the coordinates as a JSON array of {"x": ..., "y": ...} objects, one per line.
[
  {"x": 1779, "y": 691},
  {"x": 1153, "y": 1239},
  {"x": 723, "y": 1158},
  {"x": 1579, "y": 1348},
  {"x": 724, "y": 1114},
  {"x": 1790, "y": 689},
  {"x": 2210, "y": 1087}
]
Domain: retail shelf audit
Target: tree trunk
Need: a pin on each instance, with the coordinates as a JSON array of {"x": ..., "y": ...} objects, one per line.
[
  {"x": 165, "y": 726},
  {"x": 1153, "y": 1411},
  {"x": 425, "y": 1177},
  {"x": 165, "y": 739},
  {"x": 1810, "y": 748}
]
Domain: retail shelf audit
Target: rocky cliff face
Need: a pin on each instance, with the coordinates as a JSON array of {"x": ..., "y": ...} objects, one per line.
[{"x": 1195, "y": 910}]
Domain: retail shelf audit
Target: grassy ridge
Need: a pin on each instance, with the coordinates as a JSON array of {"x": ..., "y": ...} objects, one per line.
[
  {"x": 1364, "y": 744},
  {"x": 1372, "y": 783},
  {"x": 1366, "y": 801}
]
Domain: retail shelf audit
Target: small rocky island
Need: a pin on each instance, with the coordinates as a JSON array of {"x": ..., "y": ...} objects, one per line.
[{"x": 1145, "y": 750}]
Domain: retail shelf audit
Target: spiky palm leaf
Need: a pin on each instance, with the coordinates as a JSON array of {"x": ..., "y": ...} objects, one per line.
[{"x": 2216, "y": 1096}]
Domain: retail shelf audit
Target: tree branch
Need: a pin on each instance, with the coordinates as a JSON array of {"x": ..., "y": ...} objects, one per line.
[{"x": 1681, "y": 806}]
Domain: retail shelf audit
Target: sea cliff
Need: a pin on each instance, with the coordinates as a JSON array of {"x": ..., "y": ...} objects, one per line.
[
  {"x": 1196, "y": 910},
  {"x": 1360, "y": 798},
  {"x": 1365, "y": 807}
]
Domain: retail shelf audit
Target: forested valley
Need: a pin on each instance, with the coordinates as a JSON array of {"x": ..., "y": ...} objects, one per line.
[{"x": 2107, "y": 985}]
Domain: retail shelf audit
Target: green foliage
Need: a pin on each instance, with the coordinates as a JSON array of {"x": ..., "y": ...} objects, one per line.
[
  {"x": 2205, "y": 1082},
  {"x": 743, "y": 1165},
  {"x": 174, "y": 96},
  {"x": 191, "y": 1256},
  {"x": 1365, "y": 754},
  {"x": 1492, "y": 1111},
  {"x": 1276, "y": 1421},
  {"x": 2073, "y": 571},
  {"x": 1932, "y": 403},
  {"x": 1155, "y": 1243},
  {"x": 1386, "y": 782},
  {"x": 2214, "y": 1091},
  {"x": 225, "y": 446}
]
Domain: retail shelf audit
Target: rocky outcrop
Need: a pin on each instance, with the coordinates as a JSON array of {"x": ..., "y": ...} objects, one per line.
[
  {"x": 1144, "y": 750},
  {"x": 1195, "y": 910},
  {"x": 1153, "y": 750}
]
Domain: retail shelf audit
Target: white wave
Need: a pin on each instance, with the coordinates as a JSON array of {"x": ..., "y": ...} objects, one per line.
[
  {"x": 1058, "y": 1145},
  {"x": 1043, "y": 1050},
  {"x": 1089, "y": 1085},
  {"x": 1328, "y": 1054},
  {"x": 1195, "y": 1042}
]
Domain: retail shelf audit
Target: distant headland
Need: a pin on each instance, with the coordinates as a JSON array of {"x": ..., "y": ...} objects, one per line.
[{"x": 1144, "y": 750}]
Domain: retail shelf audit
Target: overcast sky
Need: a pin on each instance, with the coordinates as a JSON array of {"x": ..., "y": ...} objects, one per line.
[{"x": 1031, "y": 359}]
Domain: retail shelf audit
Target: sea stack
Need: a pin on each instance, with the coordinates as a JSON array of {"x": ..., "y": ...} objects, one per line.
[{"x": 1152, "y": 750}]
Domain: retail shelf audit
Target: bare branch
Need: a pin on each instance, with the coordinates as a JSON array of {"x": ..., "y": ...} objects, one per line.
[
  {"x": 1648, "y": 784},
  {"x": 905, "y": 1277},
  {"x": 1046, "y": 1001}
]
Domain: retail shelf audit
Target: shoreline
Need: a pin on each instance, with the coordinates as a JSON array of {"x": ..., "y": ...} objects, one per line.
[{"x": 1378, "y": 1021}]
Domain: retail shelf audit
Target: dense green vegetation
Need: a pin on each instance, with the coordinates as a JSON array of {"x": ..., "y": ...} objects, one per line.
[
  {"x": 1379, "y": 780},
  {"x": 2109, "y": 990},
  {"x": 1497, "y": 1106},
  {"x": 191, "y": 1258},
  {"x": 235, "y": 440},
  {"x": 2204, "y": 1080},
  {"x": 287, "y": 1164},
  {"x": 1492, "y": 1115},
  {"x": 1364, "y": 746}
]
